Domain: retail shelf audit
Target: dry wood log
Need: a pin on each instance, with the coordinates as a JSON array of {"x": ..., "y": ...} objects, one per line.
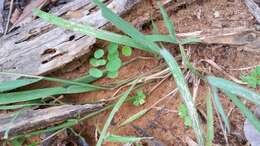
[
  {"x": 247, "y": 39},
  {"x": 39, "y": 47},
  {"x": 27, "y": 121}
]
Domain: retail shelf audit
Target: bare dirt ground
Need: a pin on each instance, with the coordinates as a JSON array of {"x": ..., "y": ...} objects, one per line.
[{"x": 163, "y": 122}]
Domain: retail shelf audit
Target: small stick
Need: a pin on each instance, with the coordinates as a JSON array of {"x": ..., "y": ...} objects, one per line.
[{"x": 9, "y": 16}]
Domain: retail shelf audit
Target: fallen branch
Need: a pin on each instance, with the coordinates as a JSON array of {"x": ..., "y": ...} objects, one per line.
[{"x": 31, "y": 120}]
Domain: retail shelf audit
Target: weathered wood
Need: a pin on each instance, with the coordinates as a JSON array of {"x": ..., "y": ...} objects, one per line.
[
  {"x": 253, "y": 9},
  {"x": 247, "y": 39},
  {"x": 27, "y": 121},
  {"x": 39, "y": 47}
]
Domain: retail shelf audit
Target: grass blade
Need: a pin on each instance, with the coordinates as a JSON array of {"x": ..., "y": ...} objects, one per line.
[
  {"x": 14, "y": 97},
  {"x": 187, "y": 62},
  {"x": 167, "y": 22},
  {"x": 214, "y": 92},
  {"x": 234, "y": 89},
  {"x": 184, "y": 90},
  {"x": 245, "y": 111},
  {"x": 124, "y": 139},
  {"x": 126, "y": 27},
  {"x": 210, "y": 122},
  {"x": 106, "y": 35},
  {"x": 88, "y": 30},
  {"x": 68, "y": 82},
  {"x": 112, "y": 114},
  {"x": 134, "y": 117},
  {"x": 10, "y": 85},
  {"x": 136, "y": 35}
]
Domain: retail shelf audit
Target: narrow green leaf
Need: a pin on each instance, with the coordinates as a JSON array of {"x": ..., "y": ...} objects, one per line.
[
  {"x": 124, "y": 139},
  {"x": 99, "y": 53},
  {"x": 112, "y": 114},
  {"x": 214, "y": 92},
  {"x": 244, "y": 110},
  {"x": 10, "y": 85},
  {"x": 64, "y": 81},
  {"x": 14, "y": 97},
  {"x": 210, "y": 122},
  {"x": 126, "y": 27},
  {"x": 88, "y": 30},
  {"x": 127, "y": 51},
  {"x": 134, "y": 117},
  {"x": 154, "y": 28},
  {"x": 186, "y": 95},
  {"x": 106, "y": 35},
  {"x": 168, "y": 22},
  {"x": 234, "y": 89},
  {"x": 139, "y": 37},
  {"x": 187, "y": 62}
]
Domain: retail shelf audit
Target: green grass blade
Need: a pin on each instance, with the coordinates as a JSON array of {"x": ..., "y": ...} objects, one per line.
[
  {"x": 244, "y": 110},
  {"x": 210, "y": 122},
  {"x": 136, "y": 35},
  {"x": 234, "y": 89},
  {"x": 106, "y": 35},
  {"x": 126, "y": 27},
  {"x": 187, "y": 62},
  {"x": 14, "y": 97},
  {"x": 88, "y": 30},
  {"x": 214, "y": 92},
  {"x": 154, "y": 28},
  {"x": 134, "y": 117},
  {"x": 68, "y": 82},
  {"x": 10, "y": 85},
  {"x": 168, "y": 22},
  {"x": 124, "y": 139},
  {"x": 184, "y": 90},
  {"x": 112, "y": 114}
]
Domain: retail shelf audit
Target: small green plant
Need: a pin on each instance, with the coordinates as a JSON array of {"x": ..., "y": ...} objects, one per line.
[
  {"x": 127, "y": 51},
  {"x": 99, "y": 53},
  {"x": 183, "y": 113},
  {"x": 114, "y": 61},
  {"x": 97, "y": 61},
  {"x": 139, "y": 98},
  {"x": 95, "y": 72},
  {"x": 253, "y": 78}
]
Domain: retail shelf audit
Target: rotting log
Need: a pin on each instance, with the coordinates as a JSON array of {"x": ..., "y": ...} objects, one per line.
[
  {"x": 38, "y": 48},
  {"x": 31, "y": 120}
]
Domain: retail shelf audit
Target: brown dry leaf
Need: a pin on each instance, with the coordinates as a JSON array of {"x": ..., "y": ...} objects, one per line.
[{"x": 27, "y": 14}]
